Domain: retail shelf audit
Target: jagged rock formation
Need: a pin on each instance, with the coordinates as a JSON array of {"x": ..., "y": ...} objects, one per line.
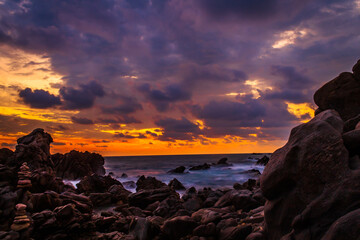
[
  {"x": 312, "y": 184},
  {"x": 34, "y": 149},
  {"x": 75, "y": 164}
]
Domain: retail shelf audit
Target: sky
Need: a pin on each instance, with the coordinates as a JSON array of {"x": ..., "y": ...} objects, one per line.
[{"x": 147, "y": 77}]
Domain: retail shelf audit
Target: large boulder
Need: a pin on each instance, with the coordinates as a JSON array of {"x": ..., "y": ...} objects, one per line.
[
  {"x": 308, "y": 183},
  {"x": 34, "y": 149},
  {"x": 75, "y": 164},
  {"x": 5, "y": 155},
  {"x": 341, "y": 94},
  {"x": 96, "y": 184},
  {"x": 178, "y": 227},
  {"x": 148, "y": 183},
  {"x": 145, "y": 197}
]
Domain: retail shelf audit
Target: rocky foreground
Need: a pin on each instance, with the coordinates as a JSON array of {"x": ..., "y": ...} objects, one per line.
[{"x": 310, "y": 189}]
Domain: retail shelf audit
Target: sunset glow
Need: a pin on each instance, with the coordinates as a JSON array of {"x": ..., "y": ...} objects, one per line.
[{"x": 167, "y": 77}]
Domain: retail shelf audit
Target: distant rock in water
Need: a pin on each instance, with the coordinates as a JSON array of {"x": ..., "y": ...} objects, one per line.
[
  {"x": 200, "y": 167},
  {"x": 222, "y": 162},
  {"x": 176, "y": 184},
  {"x": 75, "y": 164},
  {"x": 180, "y": 169},
  {"x": 312, "y": 184},
  {"x": 148, "y": 183},
  {"x": 263, "y": 161}
]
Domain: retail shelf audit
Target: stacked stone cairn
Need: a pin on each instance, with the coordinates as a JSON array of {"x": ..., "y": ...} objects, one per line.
[
  {"x": 21, "y": 220},
  {"x": 24, "y": 177}
]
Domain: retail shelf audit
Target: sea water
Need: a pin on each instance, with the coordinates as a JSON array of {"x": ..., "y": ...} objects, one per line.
[{"x": 158, "y": 166}]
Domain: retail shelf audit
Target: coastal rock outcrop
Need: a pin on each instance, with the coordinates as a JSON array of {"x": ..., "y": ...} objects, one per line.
[
  {"x": 341, "y": 94},
  {"x": 75, "y": 164},
  {"x": 311, "y": 185},
  {"x": 34, "y": 149}
]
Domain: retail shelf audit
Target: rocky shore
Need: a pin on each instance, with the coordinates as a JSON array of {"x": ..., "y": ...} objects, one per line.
[{"x": 310, "y": 188}]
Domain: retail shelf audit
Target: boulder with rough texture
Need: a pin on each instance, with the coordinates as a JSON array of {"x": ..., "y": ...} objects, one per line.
[
  {"x": 178, "y": 227},
  {"x": 75, "y": 164},
  {"x": 96, "y": 184},
  {"x": 34, "y": 149},
  {"x": 340, "y": 94},
  {"x": 5, "y": 155},
  {"x": 145, "y": 197},
  {"x": 176, "y": 184},
  {"x": 235, "y": 233},
  {"x": 308, "y": 183},
  {"x": 144, "y": 183}
]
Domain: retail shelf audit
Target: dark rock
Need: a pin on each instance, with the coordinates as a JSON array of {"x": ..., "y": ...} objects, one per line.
[
  {"x": 249, "y": 184},
  {"x": 100, "y": 199},
  {"x": 345, "y": 228},
  {"x": 225, "y": 223},
  {"x": 354, "y": 162},
  {"x": 356, "y": 70},
  {"x": 144, "y": 183},
  {"x": 180, "y": 169},
  {"x": 240, "y": 199},
  {"x": 7, "y": 176},
  {"x": 235, "y": 233},
  {"x": 223, "y": 161},
  {"x": 351, "y": 123},
  {"x": 8, "y": 200},
  {"x": 205, "y": 216},
  {"x": 340, "y": 94},
  {"x": 178, "y": 227},
  {"x": 34, "y": 149},
  {"x": 307, "y": 182},
  {"x": 200, "y": 167},
  {"x": 168, "y": 207},
  {"x": 6, "y": 155},
  {"x": 176, "y": 185},
  {"x": 238, "y": 186},
  {"x": 129, "y": 184},
  {"x": 43, "y": 181},
  {"x": 143, "y": 198},
  {"x": 193, "y": 203},
  {"x": 256, "y": 236},
  {"x": 124, "y": 175},
  {"x": 96, "y": 184},
  {"x": 207, "y": 230},
  {"x": 352, "y": 141},
  {"x": 263, "y": 161},
  {"x": 75, "y": 164},
  {"x": 118, "y": 193},
  {"x": 143, "y": 229}
]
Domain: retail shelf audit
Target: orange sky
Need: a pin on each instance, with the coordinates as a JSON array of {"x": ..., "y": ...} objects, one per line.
[{"x": 16, "y": 74}]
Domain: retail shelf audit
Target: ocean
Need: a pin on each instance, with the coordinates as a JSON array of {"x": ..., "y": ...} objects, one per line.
[{"x": 158, "y": 166}]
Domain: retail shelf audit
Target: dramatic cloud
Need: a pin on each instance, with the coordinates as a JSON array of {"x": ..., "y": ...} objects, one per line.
[
  {"x": 127, "y": 105},
  {"x": 83, "y": 97},
  {"x": 39, "y": 98},
  {"x": 204, "y": 69},
  {"x": 80, "y": 120},
  {"x": 162, "y": 99},
  {"x": 177, "y": 129}
]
